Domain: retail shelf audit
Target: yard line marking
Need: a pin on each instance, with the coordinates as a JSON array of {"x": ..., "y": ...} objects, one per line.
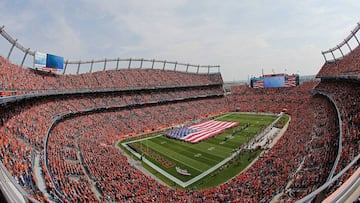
[
  {"x": 186, "y": 164},
  {"x": 197, "y": 155}
]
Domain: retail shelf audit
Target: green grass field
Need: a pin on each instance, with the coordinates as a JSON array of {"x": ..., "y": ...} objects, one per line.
[{"x": 168, "y": 153}]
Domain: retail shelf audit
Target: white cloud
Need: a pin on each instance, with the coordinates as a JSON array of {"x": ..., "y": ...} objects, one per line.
[
  {"x": 66, "y": 41},
  {"x": 241, "y": 36}
]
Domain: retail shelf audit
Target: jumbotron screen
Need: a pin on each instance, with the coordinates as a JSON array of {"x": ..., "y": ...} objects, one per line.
[
  {"x": 278, "y": 80},
  {"x": 48, "y": 62},
  {"x": 53, "y": 61}
]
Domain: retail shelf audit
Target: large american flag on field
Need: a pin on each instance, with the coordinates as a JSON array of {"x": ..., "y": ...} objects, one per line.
[
  {"x": 201, "y": 131},
  {"x": 290, "y": 81}
]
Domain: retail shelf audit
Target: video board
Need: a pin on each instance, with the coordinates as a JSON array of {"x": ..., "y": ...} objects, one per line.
[
  {"x": 276, "y": 81},
  {"x": 48, "y": 62}
]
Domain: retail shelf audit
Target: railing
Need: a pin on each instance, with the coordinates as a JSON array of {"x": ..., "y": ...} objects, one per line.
[
  {"x": 312, "y": 195},
  {"x": 116, "y": 63},
  {"x": 345, "y": 191},
  {"x": 47, "y": 93},
  {"x": 58, "y": 192},
  {"x": 14, "y": 43},
  {"x": 338, "y": 51},
  {"x": 89, "y": 66},
  {"x": 336, "y": 162},
  {"x": 11, "y": 190}
]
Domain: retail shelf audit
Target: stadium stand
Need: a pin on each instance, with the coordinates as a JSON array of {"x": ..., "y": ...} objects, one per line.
[
  {"x": 307, "y": 151},
  {"x": 345, "y": 93},
  {"x": 75, "y": 131},
  {"x": 29, "y": 121},
  {"x": 340, "y": 82},
  {"x": 349, "y": 65},
  {"x": 22, "y": 80}
]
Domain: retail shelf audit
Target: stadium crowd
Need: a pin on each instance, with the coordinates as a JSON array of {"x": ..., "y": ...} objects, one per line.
[
  {"x": 246, "y": 99},
  {"x": 85, "y": 165},
  {"x": 345, "y": 94},
  {"x": 311, "y": 117},
  {"x": 24, "y": 125},
  {"x": 13, "y": 77},
  {"x": 314, "y": 168},
  {"x": 95, "y": 135},
  {"x": 346, "y": 66}
]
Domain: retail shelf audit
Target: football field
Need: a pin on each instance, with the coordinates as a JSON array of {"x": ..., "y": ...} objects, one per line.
[{"x": 185, "y": 163}]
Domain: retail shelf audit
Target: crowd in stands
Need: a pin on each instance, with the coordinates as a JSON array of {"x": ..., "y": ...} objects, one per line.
[
  {"x": 308, "y": 140},
  {"x": 112, "y": 178},
  {"x": 13, "y": 77},
  {"x": 24, "y": 125},
  {"x": 324, "y": 143},
  {"x": 345, "y": 94},
  {"x": 314, "y": 168},
  {"x": 347, "y": 66},
  {"x": 95, "y": 136},
  {"x": 246, "y": 99},
  {"x": 16, "y": 154},
  {"x": 86, "y": 166}
]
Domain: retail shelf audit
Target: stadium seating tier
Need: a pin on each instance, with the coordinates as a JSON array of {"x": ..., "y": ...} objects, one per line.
[{"x": 85, "y": 165}]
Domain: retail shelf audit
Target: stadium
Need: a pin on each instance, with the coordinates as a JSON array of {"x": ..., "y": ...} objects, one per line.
[{"x": 148, "y": 130}]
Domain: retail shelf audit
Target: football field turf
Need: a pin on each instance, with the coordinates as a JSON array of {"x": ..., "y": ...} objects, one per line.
[{"x": 176, "y": 157}]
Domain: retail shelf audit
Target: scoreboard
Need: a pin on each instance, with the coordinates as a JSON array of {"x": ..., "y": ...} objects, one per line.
[
  {"x": 275, "y": 80},
  {"x": 48, "y": 62}
]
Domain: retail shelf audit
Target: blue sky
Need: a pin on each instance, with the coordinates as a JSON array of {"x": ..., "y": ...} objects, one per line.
[{"x": 243, "y": 37}]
